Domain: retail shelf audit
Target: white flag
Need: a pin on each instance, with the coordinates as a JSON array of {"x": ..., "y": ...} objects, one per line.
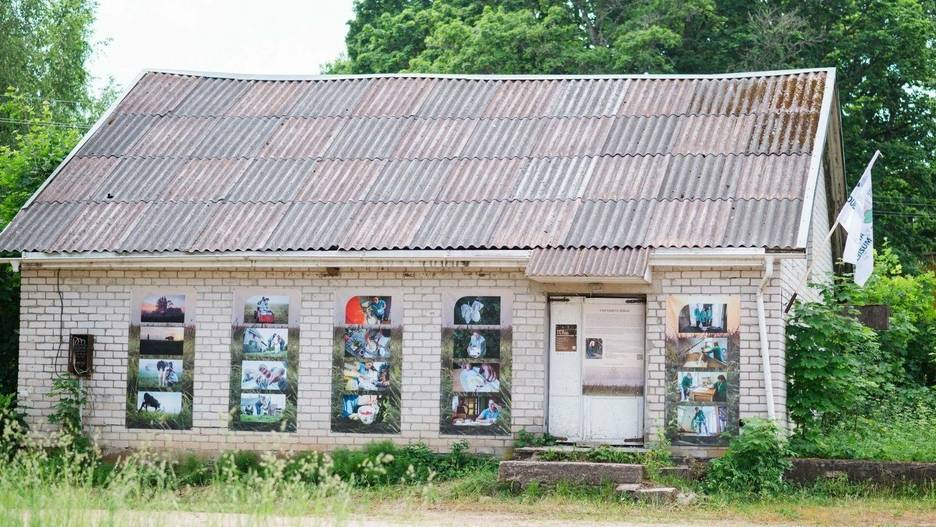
[{"x": 857, "y": 218}]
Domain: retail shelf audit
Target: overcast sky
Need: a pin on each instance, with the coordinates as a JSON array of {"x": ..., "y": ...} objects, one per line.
[{"x": 240, "y": 36}]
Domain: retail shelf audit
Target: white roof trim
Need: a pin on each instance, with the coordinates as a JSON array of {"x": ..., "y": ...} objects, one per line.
[
  {"x": 815, "y": 163},
  {"x": 715, "y": 257},
  {"x": 516, "y": 259},
  {"x": 288, "y": 77}
]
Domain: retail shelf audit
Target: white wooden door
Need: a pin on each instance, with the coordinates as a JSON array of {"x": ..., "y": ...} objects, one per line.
[
  {"x": 565, "y": 368},
  {"x": 614, "y": 333},
  {"x": 596, "y": 369}
]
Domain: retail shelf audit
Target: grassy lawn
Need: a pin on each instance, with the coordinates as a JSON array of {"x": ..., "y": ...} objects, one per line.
[{"x": 473, "y": 499}]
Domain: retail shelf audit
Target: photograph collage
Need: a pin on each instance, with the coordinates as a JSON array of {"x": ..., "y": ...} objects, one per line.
[
  {"x": 161, "y": 361},
  {"x": 476, "y": 353},
  {"x": 367, "y": 361},
  {"x": 702, "y": 369},
  {"x": 264, "y": 362}
]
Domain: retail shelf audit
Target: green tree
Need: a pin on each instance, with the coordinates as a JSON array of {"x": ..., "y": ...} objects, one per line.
[
  {"x": 44, "y": 45},
  {"x": 885, "y": 54}
]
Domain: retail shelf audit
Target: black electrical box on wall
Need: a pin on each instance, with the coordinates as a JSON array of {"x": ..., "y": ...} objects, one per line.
[{"x": 81, "y": 354}]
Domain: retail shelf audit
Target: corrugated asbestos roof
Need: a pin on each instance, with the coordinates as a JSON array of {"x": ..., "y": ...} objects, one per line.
[
  {"x": 193, "y": 163},
  {"x": 580, "y": 263}
]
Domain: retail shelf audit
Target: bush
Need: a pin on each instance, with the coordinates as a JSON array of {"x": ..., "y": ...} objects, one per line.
[
  {"x": 754, "y": 462},
  {"x": 855, "y": 392},
  {"x": 525, "y": 439},
  {"x": 13, "y": 428},
  {"x": 832, "y": 361},
  {"x": 892, "y": 430}
]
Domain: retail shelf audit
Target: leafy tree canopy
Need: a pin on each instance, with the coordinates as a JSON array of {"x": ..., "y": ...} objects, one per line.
[
  {"x": 885, "y": 54},
  {"x": 44, "y": 105}
]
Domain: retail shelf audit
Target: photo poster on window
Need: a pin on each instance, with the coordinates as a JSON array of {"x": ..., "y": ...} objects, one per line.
[
  {"x": 476, "y": 363},
  {"x": 264, "y": 360},
  {"x": 367, "y": 365},
  {"x": 702, "y": 368},
  {"x": 161, "y": 359}
]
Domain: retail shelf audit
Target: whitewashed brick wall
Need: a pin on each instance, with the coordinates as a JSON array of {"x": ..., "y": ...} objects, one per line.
[
  {"x": 739, "y": 282},
  {"x": 98, "y": 302}
]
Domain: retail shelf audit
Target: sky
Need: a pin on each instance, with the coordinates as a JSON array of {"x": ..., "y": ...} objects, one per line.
[{"x": 236, "y": 36}]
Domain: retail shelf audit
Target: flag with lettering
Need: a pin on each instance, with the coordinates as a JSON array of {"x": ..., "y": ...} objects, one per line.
[{"x": 857, "y": 218}]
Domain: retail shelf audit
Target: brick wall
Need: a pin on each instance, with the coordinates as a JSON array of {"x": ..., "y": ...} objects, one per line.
[
  {"x": 737, "y": 282},
  {"x": 98, "y": 302}
]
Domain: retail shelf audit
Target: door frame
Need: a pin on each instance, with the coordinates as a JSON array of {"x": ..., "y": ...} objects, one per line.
[{"x": 564, "y": 297}]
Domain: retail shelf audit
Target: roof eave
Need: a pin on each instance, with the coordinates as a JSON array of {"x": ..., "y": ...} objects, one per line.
[{"x": 815, "y": 163}]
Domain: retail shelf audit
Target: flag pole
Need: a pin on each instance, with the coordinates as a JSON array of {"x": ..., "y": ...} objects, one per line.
[{"x": 809, "y": 268}]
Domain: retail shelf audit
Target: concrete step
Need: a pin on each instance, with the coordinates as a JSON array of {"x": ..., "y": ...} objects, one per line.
[
  {"x": 627, "y": 488},
  {"x": 522, "y": 473},
  {"x": 531, "y": 452},
  {"x": 656, "y": 494}
]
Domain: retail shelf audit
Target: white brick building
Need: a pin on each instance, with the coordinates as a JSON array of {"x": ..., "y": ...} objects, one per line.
[{"x": 617, "y": 237}]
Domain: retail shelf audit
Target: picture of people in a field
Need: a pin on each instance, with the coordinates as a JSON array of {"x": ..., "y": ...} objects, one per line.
[
  {"x": 706, "y": 353},
  {"x": 476, "y": 344},
  {"x": 268, "y": 342},
  {"x": 366, "y": 409},
  {"x": 703, "y": 386},
  {"x": 703, "y": 318},
  {"x": 159, "y": 373},
  {"x": 163, "y": 308},
  {"x": 162, "y": 340},
  {"x": 366, "y": 376},
  {"x": 367, "y": 343},
  {"x": 701, "y": 421},
  {"x": 367, "y": 310},
  {"x": 261, "y": 408},
  {"x": 266, "y": 309},
  {"x": 475, "y": 377},
  {"x": 478, "y": 311},
  {"x": 264, "y": 375},
  {"x": 475, "y": 411},
  {"x": 169, "y": 403}
]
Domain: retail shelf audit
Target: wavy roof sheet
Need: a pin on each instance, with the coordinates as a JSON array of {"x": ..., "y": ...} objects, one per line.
[{"x": 206, "y": 163}]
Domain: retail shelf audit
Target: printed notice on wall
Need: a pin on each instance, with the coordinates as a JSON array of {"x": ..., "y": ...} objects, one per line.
[{"x": 566, "y": 337}]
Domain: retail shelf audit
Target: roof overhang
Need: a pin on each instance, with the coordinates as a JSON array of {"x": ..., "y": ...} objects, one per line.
[
  {"x": 722, "y": 257},
  {"x": 627, "y": 266},
  {"x": 815, "y": 162},
  {"x": 516, "y": 259}
]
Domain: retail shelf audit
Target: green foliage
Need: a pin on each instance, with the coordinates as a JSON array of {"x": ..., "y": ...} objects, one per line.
[
  {"x": 525, "y": 439},
  {"x": 832, "y": 361},
  {"x": 892, "y": 429},
  {"x": 858, "y": 393},
  {"x": 24, "y": 164},
  {"x": 71, "y": 399},
  {"x": 13, "y": 427},
  {"x": 883, "y": 53},
  {"x": 908, "y": 347},
  {"x": 44, "y": 108},
  {"x": 754, "y": 463}
]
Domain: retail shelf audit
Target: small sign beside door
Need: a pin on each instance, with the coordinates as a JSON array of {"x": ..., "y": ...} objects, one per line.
[{"x": 566, "y": 337}]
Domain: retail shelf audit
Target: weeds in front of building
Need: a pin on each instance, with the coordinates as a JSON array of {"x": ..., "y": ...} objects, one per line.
[{"x": 63, "y": 479}]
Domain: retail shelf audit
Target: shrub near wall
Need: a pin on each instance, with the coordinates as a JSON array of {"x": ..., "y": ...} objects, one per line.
[{"x": 858, "y": 393}]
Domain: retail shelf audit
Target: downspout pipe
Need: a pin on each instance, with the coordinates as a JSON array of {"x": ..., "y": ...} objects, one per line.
[{"x": 764, "y": 341}]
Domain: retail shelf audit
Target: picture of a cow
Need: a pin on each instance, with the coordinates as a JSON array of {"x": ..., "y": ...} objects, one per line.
[{"x": 149, "y": 402}]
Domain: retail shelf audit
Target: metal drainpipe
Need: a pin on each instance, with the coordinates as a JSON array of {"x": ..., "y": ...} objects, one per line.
[{"x": 765, "y": 343}]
